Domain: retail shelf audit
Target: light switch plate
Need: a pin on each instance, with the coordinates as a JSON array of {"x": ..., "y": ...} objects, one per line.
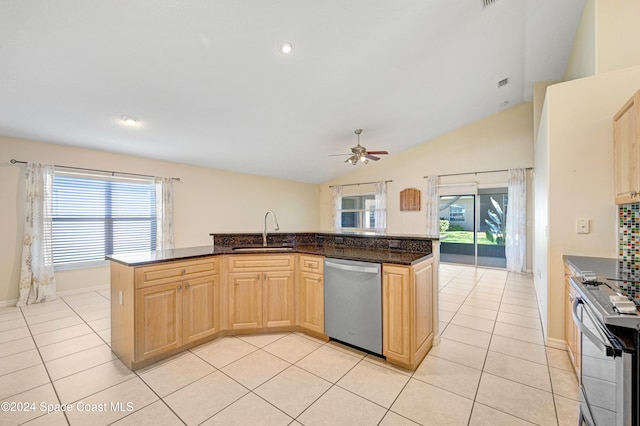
[{"x": 583, "y": 226}]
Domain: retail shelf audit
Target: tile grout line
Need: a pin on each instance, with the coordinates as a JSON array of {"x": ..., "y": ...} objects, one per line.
[
  {"x": 44, "y": 365},
  {"x": 514, "y": 381},
  {"x": 332, "y": 384},
  {"x": 484, "y": 362}
]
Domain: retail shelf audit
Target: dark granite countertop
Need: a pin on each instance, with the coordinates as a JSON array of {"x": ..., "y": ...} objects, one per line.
[
  {"x": 350, "y": 253},
  {"x": 603, "y": 267},
  {"x": 606, "y": 268},
  {"x": 398, "y": 249}
]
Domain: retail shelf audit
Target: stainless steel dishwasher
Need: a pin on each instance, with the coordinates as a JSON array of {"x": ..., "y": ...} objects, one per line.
[{"x": 353, "y": 303}]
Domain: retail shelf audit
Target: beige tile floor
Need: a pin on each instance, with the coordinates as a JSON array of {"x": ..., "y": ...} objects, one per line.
[{"x": 491, "y": 368}]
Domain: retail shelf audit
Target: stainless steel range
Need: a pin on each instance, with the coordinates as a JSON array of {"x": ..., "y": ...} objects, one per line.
[{"x": 608, "y": 319}]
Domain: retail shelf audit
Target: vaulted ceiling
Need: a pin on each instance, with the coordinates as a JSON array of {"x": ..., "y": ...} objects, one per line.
[{"x": 210, "y": 87}]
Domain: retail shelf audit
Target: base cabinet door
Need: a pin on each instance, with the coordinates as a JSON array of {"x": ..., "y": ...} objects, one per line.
[
  {"x": 397, "y": 313},
  {"x": 278, "y": 300},
  {"x": 245, "y": 300},
  {"x": 423, "y": 305},
  {"x": 312, "y": 301},
  {"x": 158, "y": 325},
  {"x": 200, "y": 308},
  {"x": 571, "y": 331}
]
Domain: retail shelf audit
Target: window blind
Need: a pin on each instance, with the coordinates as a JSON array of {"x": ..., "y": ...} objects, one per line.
[{"x": 95, "y": 216}]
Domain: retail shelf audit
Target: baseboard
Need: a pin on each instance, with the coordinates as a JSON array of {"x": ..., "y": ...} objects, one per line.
[
  {"x": 552, "y": 342},
  {"x": 8, "y": 303},
  {"x": 12, "y": 302}
]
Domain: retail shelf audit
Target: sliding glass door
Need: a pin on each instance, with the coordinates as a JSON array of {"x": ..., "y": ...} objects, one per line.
[
  {"x": 458, "y": 229},
  {"x": 472, "y": 227},
  {"x": 492, "y": 220}
]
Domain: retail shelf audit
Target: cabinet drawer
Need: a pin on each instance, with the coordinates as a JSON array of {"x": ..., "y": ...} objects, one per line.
[
  {"x": 168, "y": 272},
  {"x": 308, "y": 263},
  {"x": 261, "y": 263}
]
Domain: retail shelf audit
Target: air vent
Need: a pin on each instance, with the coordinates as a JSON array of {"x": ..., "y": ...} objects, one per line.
[
  {"x": 503, "y": 82},
  {"x": 488, "y": 2}
]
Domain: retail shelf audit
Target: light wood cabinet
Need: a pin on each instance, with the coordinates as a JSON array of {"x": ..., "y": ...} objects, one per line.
[
  {"x": 311, "y": 293},
  {"x": 245, "y": 300},
  {"x": 200, "y": 308},
  {"x": 408, "y": 312},
  {"x": 278, "y": 299},
  {"x": 397, "y": 308},
  {"x": 261, "y": 292},
  {"x": 571, "y": 330},
  {"x": 158, "y": 323},
  {"x": 159, "y": 309},
  {"x": 626, "y": 152}
]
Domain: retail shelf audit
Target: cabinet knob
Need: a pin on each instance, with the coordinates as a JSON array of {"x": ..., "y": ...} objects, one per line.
[
  {"x": 187, "y": 285},
  {"x": 180, "y": 287},
  {"x": 184, "y": 271}
]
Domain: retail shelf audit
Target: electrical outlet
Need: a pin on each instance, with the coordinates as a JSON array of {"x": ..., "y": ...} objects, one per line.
[{"x": 582, "y": 226}]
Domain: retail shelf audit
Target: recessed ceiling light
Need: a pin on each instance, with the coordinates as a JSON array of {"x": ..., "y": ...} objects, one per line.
[
  {"x": 286, "y": 47},
  {"x": 130, "y": 120}
]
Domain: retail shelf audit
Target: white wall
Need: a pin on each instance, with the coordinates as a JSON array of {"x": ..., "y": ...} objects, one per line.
[
  {"x": 501, "y": 141},
  {"x": 579, "y": 146},
  {"x": 206, "y": 200},
  {"x": 541, "y": 205},
  {"x": 582, "y": 60},
  {"x": 574, "y": 149},
  {"x": 617, "y": 34},
  {"x": 606, "y": 39}
]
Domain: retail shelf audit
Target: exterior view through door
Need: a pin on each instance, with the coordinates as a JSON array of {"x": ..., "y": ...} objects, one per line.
[{"x": 472, "y": 227}]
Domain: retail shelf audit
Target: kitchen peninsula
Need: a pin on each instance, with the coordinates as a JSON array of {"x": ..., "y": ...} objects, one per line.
[{"x": 164, "y": 302}]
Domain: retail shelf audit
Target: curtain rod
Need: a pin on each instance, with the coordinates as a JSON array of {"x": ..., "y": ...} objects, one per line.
[
  {"x": 475, "y": 173},
  {"x": 14, "y": 161},
  {"x": 361, "y": 183}
]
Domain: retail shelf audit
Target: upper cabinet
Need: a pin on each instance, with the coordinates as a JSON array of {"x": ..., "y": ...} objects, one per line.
[{"x": 626, "y": 152}]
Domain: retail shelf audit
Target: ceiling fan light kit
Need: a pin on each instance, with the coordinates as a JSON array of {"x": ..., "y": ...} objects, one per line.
[{"x": 360, "y": 153}]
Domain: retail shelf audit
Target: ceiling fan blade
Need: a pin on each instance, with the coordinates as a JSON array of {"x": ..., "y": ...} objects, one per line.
[
  {"x": 338, "y": 155},
  {"x": 377, "y": 152},
  {"x": 371, "y": 157}
]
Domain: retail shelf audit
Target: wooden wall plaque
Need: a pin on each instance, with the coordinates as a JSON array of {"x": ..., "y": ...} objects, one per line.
[{"x": 410, "y": 200}]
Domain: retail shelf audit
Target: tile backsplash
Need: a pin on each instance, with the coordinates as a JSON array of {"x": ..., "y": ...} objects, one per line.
[
  {"x": 629, "y": 248},
  {"x": 628, "y": 235}
]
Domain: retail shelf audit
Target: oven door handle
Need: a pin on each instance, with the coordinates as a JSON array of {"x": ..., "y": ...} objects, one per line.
[{"x": 608, "y": 350}]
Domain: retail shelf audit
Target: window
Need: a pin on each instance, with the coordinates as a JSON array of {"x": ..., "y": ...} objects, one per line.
[
  {"x": 358, "y": 211},
  {"x": 95, "y": 216},
  {"x": 457, "y": 213}
]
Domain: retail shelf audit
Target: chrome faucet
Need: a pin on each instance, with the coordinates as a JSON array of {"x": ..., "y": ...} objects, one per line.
[{"x": 275, "y": 226}]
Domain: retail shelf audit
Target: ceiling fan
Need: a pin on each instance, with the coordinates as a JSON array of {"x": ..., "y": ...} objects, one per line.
[{"x": 360, "y": 153}]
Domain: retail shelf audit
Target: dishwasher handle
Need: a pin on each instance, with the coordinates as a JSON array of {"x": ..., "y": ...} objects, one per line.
[{"x": 352, "y": 268}]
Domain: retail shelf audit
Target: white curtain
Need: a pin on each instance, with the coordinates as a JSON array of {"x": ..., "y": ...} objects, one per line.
[
  {"x": 336, "y": 198},
  {"x": 164, "y": 213},
  {"x": 515, "y": 230},
  {"x": 433, "y": 207},
  {"x": 380, "y": 212},
  {"x": 37, "y": 281}
]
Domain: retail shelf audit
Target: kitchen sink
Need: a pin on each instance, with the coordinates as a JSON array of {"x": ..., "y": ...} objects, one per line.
[{"x": 260, "y": 249}]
